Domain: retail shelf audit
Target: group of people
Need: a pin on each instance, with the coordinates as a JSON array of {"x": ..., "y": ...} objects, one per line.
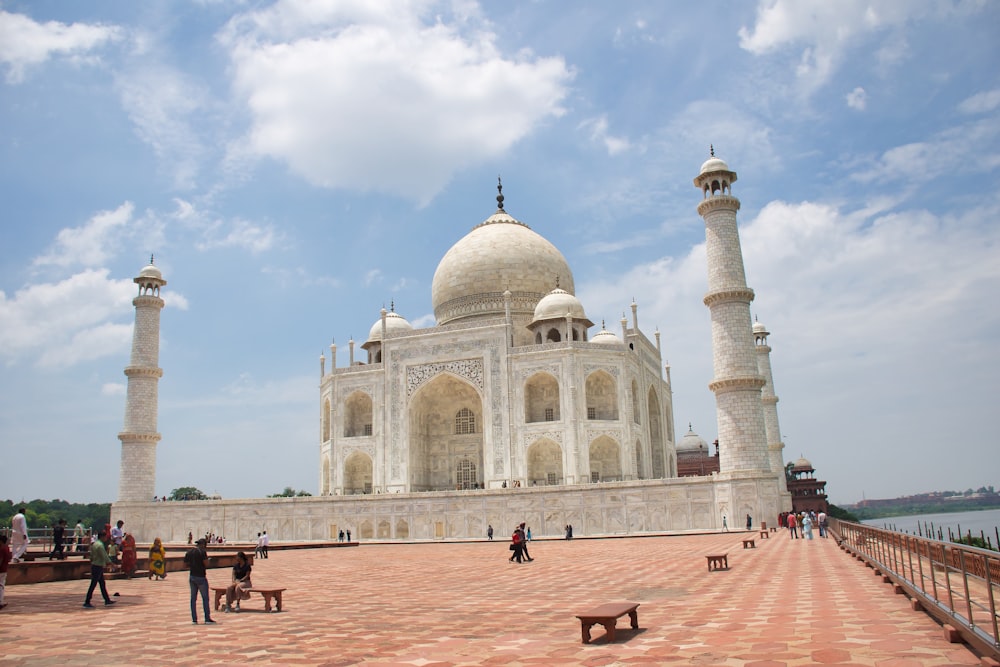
[
  {"x": 341, "y": 535},
  {"x": 519, "y": 544},
  {"x": 804, "y": 520}
]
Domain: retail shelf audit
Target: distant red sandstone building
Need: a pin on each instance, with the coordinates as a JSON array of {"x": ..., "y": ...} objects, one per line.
[
  {"x": 693, "y": 456},
  {"x": 808, "y": 493}
]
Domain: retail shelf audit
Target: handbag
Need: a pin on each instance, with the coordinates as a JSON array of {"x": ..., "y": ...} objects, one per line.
[{"x": 512, "y": 547}]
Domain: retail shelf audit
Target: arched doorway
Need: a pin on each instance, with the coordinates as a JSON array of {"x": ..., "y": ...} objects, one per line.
[
  {"x": 605, "y": 460},
  {"x": 545, "y": 463},
  {"x": 358, "y": 474},
  {"x": 446, "y": 428}
]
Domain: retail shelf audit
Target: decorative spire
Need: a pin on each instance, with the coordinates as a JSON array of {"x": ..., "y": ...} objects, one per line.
[
  {"x": 499, "y": 194},
  {"x": 711, "y": 150},
  {"x": 392, "y": 306},
  {"x": 557, "y": 282}
]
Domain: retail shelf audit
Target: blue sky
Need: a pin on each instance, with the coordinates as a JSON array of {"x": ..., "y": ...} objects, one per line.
[{"x": 295, "y": 166}]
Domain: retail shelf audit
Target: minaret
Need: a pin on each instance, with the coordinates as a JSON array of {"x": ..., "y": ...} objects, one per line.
[
  {"x": 137, "y": 478},
  {"x": 737, "y": 382},
  {"x": 770, "y": 402}
]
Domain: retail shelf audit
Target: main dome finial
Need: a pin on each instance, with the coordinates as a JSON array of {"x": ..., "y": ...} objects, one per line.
[{"x": 499, "y": 194}]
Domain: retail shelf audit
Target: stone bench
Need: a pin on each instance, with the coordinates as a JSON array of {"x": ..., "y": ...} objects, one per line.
[
  {"x": 608, "y": 615},
  {"x": 718, "y": 562},
  {"x": 764, "y": 535},
  {"x": 749, "y": 544},
  {"x": 268, "y": 593}
]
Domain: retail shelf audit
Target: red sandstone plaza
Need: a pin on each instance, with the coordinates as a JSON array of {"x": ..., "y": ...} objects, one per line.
[{"x": 785, "y": 602}]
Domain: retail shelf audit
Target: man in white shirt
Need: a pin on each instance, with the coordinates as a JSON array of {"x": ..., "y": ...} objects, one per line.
[
  {"x": 18, "y": 535},
  {"x": 78, "y": 534},
  {"x": 264, "y": 542},
  {"x": 117, "y": 535}
]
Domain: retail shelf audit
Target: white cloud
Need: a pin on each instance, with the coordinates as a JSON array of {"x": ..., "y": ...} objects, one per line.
[
  {"x": 825, "y": 30},
  {"x": 216, "y": 233},
  {"x": 58, "y": 321},
  {"x": 857, "y": 99},
  {"x": 391, "y": 99},
  {"x": 24, "y": 42},
  {"x": 161, "y": 103},
  {"x": 92, "y": 244},
  {"x": 948, "y": 151},
  {"x": 598, "y": 130},
  {"x": 983, "y": 102},
  {"x": 113, "y": 389}
]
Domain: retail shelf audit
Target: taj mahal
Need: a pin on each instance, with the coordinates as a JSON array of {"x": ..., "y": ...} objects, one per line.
[{"x": 512, "y": 407}]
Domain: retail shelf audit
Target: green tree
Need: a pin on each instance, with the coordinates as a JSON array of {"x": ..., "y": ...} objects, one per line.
[
  {"x": 289, "y": 492},
  {"x": 187, "y": 493},
  {"x": 841, "y": 513}
]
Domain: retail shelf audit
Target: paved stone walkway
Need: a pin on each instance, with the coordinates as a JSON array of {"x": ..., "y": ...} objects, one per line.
[{"x": 787, "y": 602}]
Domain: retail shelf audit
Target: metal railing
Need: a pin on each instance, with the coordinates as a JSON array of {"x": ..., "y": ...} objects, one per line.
[{"x": 957, "y": 584}]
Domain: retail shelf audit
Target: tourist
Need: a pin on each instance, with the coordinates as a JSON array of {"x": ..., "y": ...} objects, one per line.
[
  {"x": 807, "y": 527},
  {"x": 58, "y": 540},
  {"x": 489, "y": 532},
  {"x": 259, "y": 551},
  {"x": 129, "y": 556},
  {"x": 78, "y": 532},
  {"x": 197, "y": 560},
  {"x": 792, "y": 524},
  {"x": 264, "y": 542},
  {"x": 18, "y": 535},
  {"x": 5, "y": 557},
  {"x": 98, "y": 561},
  {"x": 340, "y": 536},
  {"x": 191, "y": 536},
  {"x": 749, "y": 522},
  {"x": 157, "y": 560},
  {"x": 725, "y": 526},
  {"x": 569, "y": 531},
  {"x": 821, "y": 517},
  {"x": 348, "y": 534},
  {"x": 117, "y": 535},
  {"x": 517, "y": 544},
  {"x": 524, "y": 543},
  {"x": 241, "y": 585},
  {"x": 527, "y": 534}
]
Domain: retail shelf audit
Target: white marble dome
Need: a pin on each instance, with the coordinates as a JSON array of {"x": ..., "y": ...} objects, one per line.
[
  {"x": 605, "y": 337},
  {"x": 759, "y": 328},
  {"x": 713, "y": 164},
  {"x": 802, "y": 464},
  {"x": 151, "y": 271},
  {"x": 393, "y": 322},
  {"x": 557, "y": 304},
  {"x": 692, "y": 442},
  {"x": 499, "y": 254}
]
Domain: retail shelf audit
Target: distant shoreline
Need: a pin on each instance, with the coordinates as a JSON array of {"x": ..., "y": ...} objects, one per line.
[{"x": 908, "y": 506}]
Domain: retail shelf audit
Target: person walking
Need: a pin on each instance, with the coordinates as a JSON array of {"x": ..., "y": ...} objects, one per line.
[
  {"x": 525, "y": 536},
  {"x": 264, "y": 542},
  {"x": 749, "y": 522},
  {"x": 489, "y": 532},
  {"x": 59, "y": 540},
  {"x": 99, "y": 560},
  {"x": 197, "y": 560},
  {"x": 18, "y": 535},
  {"x": 517, "y": 544},
  {"x": 792, "y": 524},
  {"x": 78, "y": 535}
]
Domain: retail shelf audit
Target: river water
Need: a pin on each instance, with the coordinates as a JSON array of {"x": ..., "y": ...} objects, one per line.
[{"x": 982, "y": 520}]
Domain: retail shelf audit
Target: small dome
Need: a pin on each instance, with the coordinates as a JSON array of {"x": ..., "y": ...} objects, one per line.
[
  {"x": 151, "y": 271},
  {"x": 758, "y": 327},
  {"x": 692, "y": 442},
  {"x": 713, "y": 164},
  {"x": 605, "y": 337},
  {"x": 556, "y": 304},
  {"x": 802, "y": 464},
  {"x": 393, "y": 322}
]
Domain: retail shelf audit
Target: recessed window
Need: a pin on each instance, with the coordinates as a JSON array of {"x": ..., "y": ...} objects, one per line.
[
  {"x": 368, "y": 429},
  {"x": 465, "y": 422},
  {"x": 591, "y": 413},
  {"x": 550, "y": 415}
]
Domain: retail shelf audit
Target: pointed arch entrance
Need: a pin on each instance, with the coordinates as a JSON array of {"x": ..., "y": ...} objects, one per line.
[
  {"x": 545, "y": 463},
  {"x": 358, "y": 474},
  {"x": 605, "y": 460},
  {"x": 446, "y": 435},
  {"x": 656, "y": 436}
]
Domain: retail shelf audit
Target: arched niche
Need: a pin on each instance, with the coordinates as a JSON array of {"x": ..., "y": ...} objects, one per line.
[
  {"x": 545, "y": 463},
  {"x": 541, "y": 398},
  {"x": 358, "y": 474},
  {"x": 358, "y": 415},
  {"x": 445, "y": 418},
  {"x": 605, "y": 460},
  {"x": 602, "y": 396}
]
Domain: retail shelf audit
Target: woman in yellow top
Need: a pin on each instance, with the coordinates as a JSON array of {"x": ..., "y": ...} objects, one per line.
[{"x": 157, "y": 560}]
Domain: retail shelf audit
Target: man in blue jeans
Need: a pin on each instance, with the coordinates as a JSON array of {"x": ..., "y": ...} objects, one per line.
[{"x": 197, "y": 560}]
